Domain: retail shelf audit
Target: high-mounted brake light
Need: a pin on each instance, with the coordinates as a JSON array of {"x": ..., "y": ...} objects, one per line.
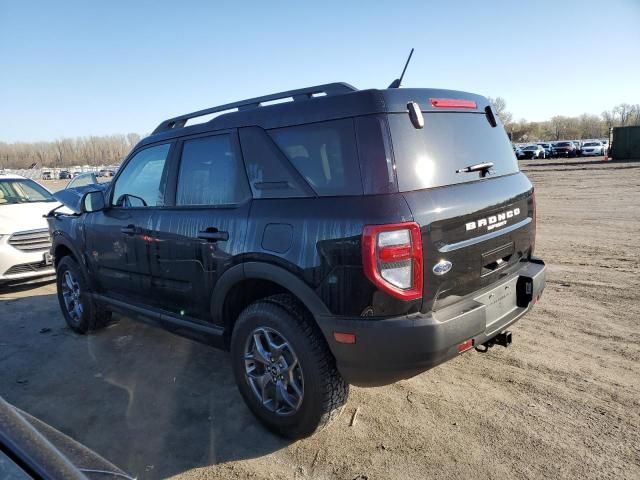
[
  {"x": 392, "y": 258},
  {"x": 452, "y": 103}
]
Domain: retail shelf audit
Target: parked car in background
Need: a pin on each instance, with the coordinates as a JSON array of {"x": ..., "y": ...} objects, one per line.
[
  {"x": 578, "y": 144},
  {"x": 532, "y": 152},
  {"x": 592, "y": 148},
  {"x": 105, "y": 173},
  {"x": 64, "y": 175},
  {"x": 565, "y": 149},
  {"x": 46, "y": 175},
  {"x": 548, "y": 149},
  {"x": 517, "y": 151},
  {"x": 76, "y": 173},
  {"x": 24, "y": 236}
]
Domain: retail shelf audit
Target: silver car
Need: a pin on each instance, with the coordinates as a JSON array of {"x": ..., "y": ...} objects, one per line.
[{"x": 24, "y": 234}]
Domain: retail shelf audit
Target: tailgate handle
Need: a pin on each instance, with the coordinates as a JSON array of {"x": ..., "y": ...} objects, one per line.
[{"x": 497, "y": 259}]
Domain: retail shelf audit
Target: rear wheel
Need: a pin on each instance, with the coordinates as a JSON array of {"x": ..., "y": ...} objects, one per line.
[
  {"x": 81, "y": 313},
  {"x": 284, "y": 369}
]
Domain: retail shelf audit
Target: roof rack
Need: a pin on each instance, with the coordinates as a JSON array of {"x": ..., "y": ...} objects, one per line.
[{"x": 297, "y": 95}]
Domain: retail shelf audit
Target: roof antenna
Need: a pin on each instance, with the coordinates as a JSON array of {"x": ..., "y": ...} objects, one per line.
[{"x": 396, "y": 83}]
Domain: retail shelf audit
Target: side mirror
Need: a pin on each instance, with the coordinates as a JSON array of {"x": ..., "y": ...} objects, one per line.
[{"x": 92, "y": 202}]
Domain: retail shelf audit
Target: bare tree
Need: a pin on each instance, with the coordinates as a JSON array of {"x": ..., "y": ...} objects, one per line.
[
  {"x": 624, "y": 111},
  {"x": 500, "y": 108},
  {"x": 66, "y": 152}
]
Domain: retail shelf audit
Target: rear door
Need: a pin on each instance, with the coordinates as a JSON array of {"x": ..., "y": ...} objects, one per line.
[
  {"x": 483, "y": 223},
  {"x": 197, "y": 239}
]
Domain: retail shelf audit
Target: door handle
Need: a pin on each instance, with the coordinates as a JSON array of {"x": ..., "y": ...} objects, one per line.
[
  {"x": 213, "y": 235},
  {"x": 129, "y": 230}
]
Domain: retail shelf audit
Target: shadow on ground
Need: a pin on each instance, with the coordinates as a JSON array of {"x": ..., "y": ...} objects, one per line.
[{"x": 152, "y": 403}]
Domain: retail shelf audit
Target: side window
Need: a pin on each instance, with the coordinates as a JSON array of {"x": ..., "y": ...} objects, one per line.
[
  {"x": 142, "y": 183},
  {"x": 325, "y": 154},
  {"x": 211, "y": 173},
  {"x": 374, "y": 152}
]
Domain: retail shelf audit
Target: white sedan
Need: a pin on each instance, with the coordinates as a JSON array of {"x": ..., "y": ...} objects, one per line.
[
  {"x": 24, "y": 233},
  {"x": 593, "y": 147}
]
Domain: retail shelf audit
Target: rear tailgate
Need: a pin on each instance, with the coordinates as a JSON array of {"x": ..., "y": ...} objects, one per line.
[
  {"x": 483, "y": 223},
  {"x": 483, "y": 228}
]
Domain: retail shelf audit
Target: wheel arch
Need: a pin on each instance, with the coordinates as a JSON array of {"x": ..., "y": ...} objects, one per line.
[
  {"x": 62, "y": 247},
  {"x": 245, "y": 283}
]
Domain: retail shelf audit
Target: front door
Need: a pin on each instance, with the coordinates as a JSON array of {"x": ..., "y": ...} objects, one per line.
[{"x": 117, "y": 238}]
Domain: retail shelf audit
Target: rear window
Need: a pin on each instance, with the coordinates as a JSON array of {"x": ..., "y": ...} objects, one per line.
[
  {"x": 429, "y": 157},
  {"x": 210, "y": 173},
  {"x": 325, "y": 154},
  {"x": 563, "y": 144}
]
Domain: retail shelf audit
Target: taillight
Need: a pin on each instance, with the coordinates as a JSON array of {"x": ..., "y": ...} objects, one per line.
[
  {"x": 452, "y": 103},
  {"x": 392, "y": 258}
]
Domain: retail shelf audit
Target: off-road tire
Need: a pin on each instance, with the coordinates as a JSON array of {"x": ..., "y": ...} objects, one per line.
[
  {"x": 94, "y": 316},
  {"x": 325, "y": 391}
]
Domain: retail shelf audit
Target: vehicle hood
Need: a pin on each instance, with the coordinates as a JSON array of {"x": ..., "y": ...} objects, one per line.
[
  {"x": 71, "y": 197},
  {"x": 24, "y": 216}
]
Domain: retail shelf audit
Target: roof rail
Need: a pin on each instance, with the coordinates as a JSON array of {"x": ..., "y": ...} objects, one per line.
[{"x": 297, "y": 95}]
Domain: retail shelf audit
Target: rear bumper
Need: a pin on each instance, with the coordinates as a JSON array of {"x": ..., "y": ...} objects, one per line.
[{"x": 392, "y": 349}]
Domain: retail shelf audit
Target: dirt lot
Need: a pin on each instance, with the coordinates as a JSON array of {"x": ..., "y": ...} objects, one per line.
[{"x": 562, "y": 402}]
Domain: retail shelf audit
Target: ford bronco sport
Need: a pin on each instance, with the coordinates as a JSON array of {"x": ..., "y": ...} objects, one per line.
[{"x": 341, "y": 237}]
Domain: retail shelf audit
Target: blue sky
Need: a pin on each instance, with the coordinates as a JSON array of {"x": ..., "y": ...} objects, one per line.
[{"x": 72, "y": 68}]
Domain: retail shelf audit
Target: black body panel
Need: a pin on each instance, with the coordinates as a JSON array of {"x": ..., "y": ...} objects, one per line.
[{"x": 443, "y": 214}]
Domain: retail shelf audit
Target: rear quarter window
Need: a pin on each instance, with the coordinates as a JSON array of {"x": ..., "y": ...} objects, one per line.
[{"x": 429, "y": 157}]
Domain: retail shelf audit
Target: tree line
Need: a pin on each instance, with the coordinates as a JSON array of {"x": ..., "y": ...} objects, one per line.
[
  {"x": 67, "y": 152},
  {"x": 561, "y": 127},
  {"x": 111, "y": 149}
]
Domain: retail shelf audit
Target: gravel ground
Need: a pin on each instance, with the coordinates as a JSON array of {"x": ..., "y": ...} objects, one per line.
[{"x": 562, "y": 402}]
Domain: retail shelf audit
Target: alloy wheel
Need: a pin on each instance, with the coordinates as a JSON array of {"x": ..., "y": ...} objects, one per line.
[
  {"x": 71, "y": 294},
  {"x": 273, "y": 371}
]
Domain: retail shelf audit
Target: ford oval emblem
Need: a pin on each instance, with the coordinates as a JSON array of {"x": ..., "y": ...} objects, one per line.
[{"x": 442, "y": 267}]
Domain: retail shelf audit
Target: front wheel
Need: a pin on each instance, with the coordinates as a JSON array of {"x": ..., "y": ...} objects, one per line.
[
  {"x": 284, "y": 368},
  {"x": 78, "y": 308}
]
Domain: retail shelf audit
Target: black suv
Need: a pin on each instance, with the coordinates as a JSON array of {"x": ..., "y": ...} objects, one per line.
[
  {"x": 565, "y": 149},
  {"x": 341, "y": 237}
]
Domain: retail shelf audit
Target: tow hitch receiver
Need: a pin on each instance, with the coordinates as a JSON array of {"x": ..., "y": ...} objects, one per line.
[{"x": 503, "y": 339}]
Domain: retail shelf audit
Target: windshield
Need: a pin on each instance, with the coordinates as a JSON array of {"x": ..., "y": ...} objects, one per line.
[
  {"x": 563, "y": 144},
  {"x": 531, "y": 147},
  {"x": 23, "y": 191},
  {"x": 591, "y": 144},
  {"x": 429, "y": 157}
]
